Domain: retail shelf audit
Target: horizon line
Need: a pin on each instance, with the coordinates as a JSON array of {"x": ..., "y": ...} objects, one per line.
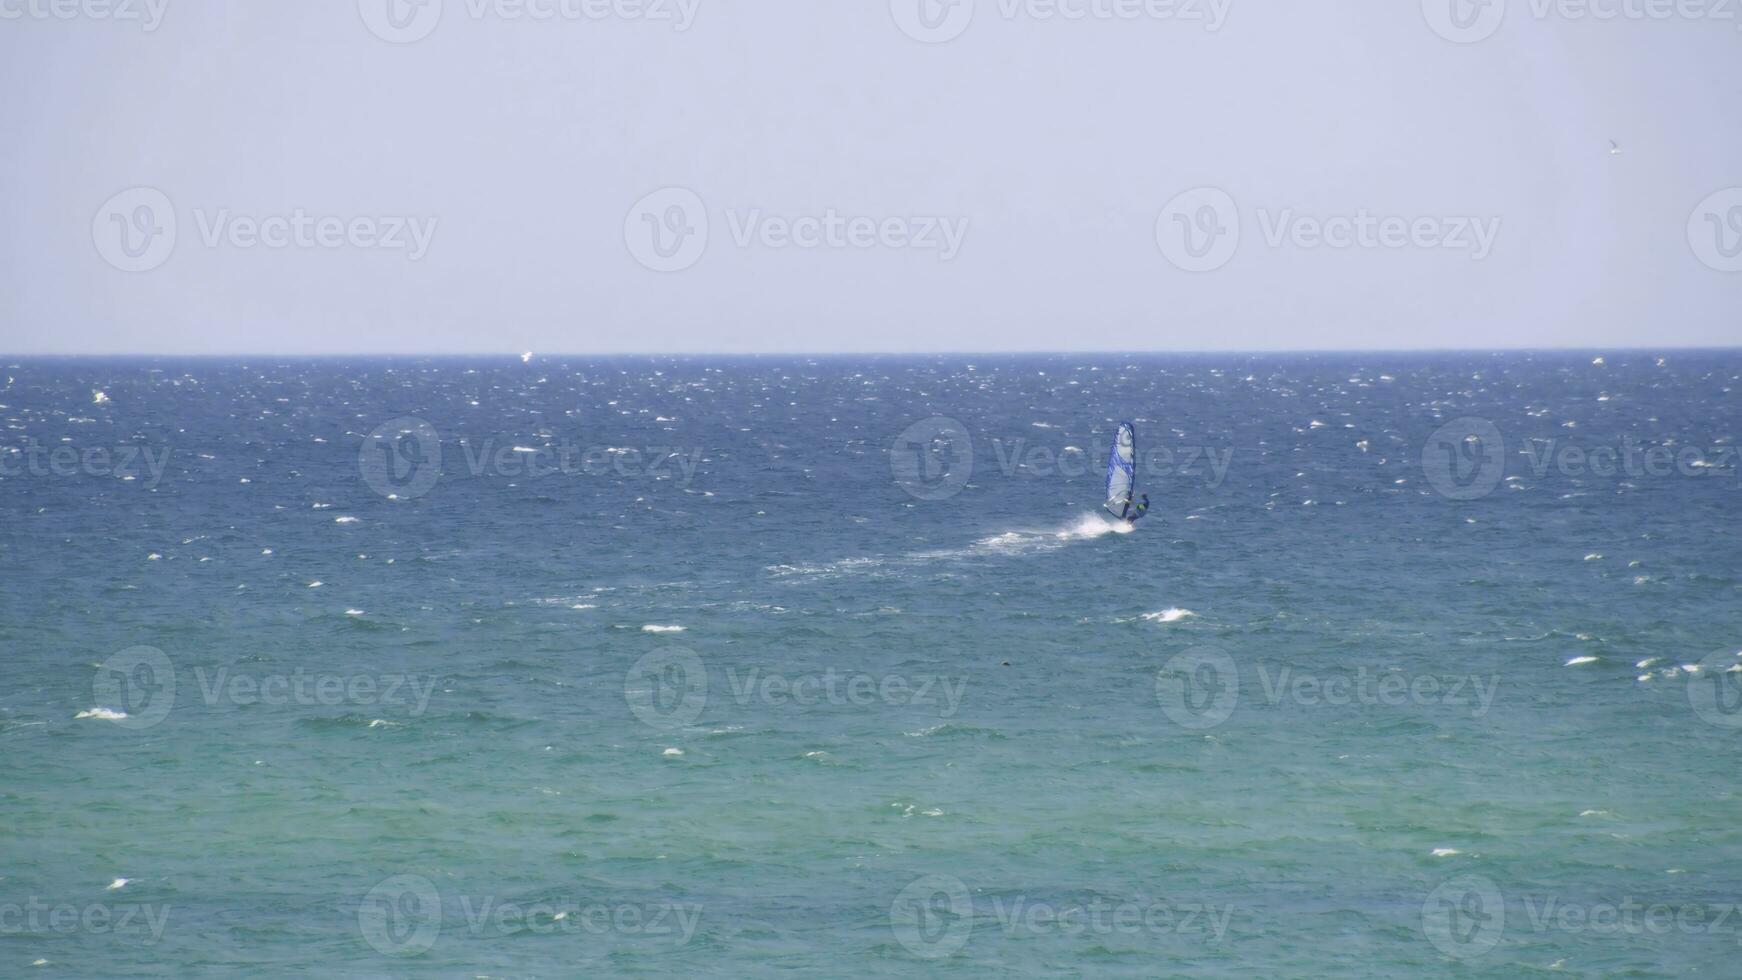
[{"x": 378, "y": 355}]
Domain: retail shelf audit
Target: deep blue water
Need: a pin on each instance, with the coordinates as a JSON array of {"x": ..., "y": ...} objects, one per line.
[{"x": 685, "y": 666}]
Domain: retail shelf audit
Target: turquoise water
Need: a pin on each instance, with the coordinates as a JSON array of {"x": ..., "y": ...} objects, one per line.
[{"x": 731, "y": 667}]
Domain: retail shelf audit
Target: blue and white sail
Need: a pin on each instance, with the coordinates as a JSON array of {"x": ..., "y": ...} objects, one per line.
[{"x": 1122, "y": 471}]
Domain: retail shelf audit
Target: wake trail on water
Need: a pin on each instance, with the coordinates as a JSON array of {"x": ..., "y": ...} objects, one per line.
[{"x": 1009, "y": 543}]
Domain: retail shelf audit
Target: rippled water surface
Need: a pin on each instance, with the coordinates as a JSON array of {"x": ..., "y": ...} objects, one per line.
[{"x": 1420, "y": 666}]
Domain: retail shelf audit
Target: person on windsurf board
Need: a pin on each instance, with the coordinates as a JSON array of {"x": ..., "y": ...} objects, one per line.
[{"x": 1122, "y": 478}]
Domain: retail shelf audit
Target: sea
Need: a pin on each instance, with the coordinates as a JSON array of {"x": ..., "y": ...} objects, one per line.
[{"x": 1421, "y": 664}]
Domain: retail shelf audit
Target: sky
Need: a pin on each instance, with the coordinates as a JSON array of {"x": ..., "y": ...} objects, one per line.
[{"x": 784, "y": 176}]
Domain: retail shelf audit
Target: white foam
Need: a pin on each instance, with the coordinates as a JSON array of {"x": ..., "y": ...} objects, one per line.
[
  {"x": 101, "y": 714},
  {"x": 118, "y": 883},
  {"x": 1581, "y": 660},
  {"x": 1441, "y": 852},
  {"x": 672, "y": 753},
  {"x": 1169, "y": 615},
  {"x": 353, "y": 612},
  {"x": 344, "y": 520},
  {"x": 652, "y": 628}
]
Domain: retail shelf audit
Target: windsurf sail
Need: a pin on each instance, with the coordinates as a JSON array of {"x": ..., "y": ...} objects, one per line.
[{"x": 1122, "y": 471}]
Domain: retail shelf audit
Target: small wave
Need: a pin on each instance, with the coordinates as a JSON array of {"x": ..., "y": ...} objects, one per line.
[
  {"x": 1581, "y": 660},
  {"x": 653, "y": 628},
  {"x": 1168, "y": 615},
  {"x": 101, "y": 714}
]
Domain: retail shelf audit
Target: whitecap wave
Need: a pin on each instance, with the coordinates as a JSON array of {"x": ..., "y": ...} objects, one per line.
[{"x": 1168, "y": 615}]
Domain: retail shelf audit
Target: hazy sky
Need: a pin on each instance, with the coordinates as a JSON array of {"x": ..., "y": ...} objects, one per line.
[{"x": 867, "y": 175}]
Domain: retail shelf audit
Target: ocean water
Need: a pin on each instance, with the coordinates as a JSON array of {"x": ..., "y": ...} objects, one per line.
[{"x": 1421, "y": 665}]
